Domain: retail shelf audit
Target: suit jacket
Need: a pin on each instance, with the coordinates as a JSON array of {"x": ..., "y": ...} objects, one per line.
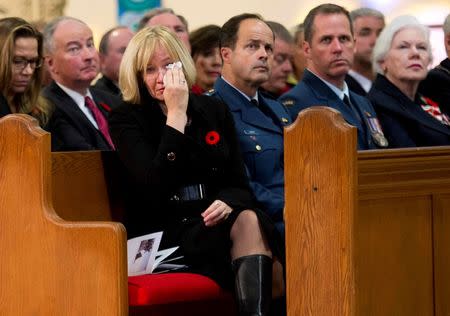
[
  {"x": 437, "y": 85},
  {"x": 312, "y": 91},
  {"x": 261, "y": 142},
  {"x": 354, "y": 85},
  {"x": 4, "y": 107},
  {"x": 70, "y": 128},
  {"x": 404, "y": 122},
  {"x": 107, "y": 85}
]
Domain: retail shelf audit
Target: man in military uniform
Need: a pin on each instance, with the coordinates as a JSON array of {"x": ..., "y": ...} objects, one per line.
[
  {"x": 329, "y": 51},
  {"x": 247, "y": 49}
]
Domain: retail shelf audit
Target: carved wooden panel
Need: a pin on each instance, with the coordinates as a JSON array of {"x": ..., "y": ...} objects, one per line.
[{"x": 32, "y": 10}]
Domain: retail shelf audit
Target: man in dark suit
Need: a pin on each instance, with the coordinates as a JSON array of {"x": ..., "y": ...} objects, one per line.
[
  {"x": 367, "y": 25},
  {"x": 79, "y": 119},
  {"x": 247, "y": 49},
  {"x": 329, "y": 52},
  {"x": 111, "y": 49},
  {"x": 437, "y": 84}
]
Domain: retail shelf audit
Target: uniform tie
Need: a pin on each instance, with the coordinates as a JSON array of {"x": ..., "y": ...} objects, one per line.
[
  {"x": 347, "y": 100},
  {"x": 266, "y": 111},
  {"x": 100, "y": 119}
]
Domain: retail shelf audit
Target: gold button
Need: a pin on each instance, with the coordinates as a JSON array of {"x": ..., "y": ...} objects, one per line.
[
  {"x": 258, "y": 148},
  {"x": 171, "y": 156},
  {"x": 284, "y": 120}
]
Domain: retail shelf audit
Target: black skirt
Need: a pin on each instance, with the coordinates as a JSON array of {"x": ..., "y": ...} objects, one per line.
[{"x": 206, "y": 250}]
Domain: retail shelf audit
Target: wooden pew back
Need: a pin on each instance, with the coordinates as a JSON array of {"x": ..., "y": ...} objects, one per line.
[
  {"x": 367, "y": 233},
  {"x": 88, "y": 186},
  {"x": 50, "y": 266}
]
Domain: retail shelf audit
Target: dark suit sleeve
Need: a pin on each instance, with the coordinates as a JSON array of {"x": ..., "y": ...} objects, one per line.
[{"x": 64, "y": 136}]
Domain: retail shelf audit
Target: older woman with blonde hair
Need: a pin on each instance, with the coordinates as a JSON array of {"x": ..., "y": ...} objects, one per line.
[
  {"x": 182, "y": 152},
  {"x": 20, "y": 69},
  {"x": 401, "y": 57}
]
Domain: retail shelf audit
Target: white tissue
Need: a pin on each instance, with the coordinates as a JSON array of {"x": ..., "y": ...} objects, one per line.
[{"x": 175, "y": 65}]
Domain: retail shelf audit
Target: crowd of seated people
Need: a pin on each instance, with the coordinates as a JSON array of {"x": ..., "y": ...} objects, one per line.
[{"x": 214, "y": 122}]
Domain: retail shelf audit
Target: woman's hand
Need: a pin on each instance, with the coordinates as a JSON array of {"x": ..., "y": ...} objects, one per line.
[
  {"x": 176, "y": 92},
  {"x": 217, "y": 212},
  {"x": 176, "y": 95}
]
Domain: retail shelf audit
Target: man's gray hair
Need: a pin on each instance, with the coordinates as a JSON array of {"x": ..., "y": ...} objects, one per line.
[
  {"x": 151, "y": 14},
  {"x": 362, "y": 12},
  {"x": 49, "y": 30},
  {"x": 280, "y": 32}
]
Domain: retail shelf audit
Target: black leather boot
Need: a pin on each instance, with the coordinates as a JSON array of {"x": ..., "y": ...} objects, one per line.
[{"x": 253, "y": 284}]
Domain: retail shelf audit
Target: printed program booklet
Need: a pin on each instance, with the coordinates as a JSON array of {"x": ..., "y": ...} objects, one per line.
[{"x": 145, "y": 258}]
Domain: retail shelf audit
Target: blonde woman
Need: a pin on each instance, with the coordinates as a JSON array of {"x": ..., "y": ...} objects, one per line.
[{"x": 181, "y": 150}]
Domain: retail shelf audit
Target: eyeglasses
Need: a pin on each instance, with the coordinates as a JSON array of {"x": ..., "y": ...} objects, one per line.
[{"x": 20, "y": 63}]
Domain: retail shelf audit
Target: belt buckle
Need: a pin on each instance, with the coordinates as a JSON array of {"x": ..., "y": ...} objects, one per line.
[{"x": 193, "y": 192}]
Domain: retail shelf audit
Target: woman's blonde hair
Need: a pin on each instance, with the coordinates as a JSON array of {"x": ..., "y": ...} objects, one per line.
[
  {"x": 28, "y": 102},
  {"x": 138, "y": 54}
]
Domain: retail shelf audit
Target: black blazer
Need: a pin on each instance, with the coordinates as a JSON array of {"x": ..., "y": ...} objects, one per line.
[
  {"x": 161, "y": 160},
  {"x": 4, "y": 107},
  {"x": 404, "y": 122},
  {"x": 437, "y": 85},
  {"x": 106, "y": 84},
  {"x": 354, "y": 85},
  {"x": 70, "y": 128}
]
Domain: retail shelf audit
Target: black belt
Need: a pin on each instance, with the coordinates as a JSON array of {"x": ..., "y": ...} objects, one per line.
[{"x": 193, "y": 192}]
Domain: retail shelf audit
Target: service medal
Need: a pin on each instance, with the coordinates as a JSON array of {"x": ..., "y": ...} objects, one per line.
[{"x": 380, "y": 140}]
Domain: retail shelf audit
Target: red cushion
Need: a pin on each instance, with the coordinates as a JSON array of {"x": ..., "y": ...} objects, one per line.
[{"x": 170, "y": 288}]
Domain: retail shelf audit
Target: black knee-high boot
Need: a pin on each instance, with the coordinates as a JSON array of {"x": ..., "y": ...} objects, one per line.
[{"x": 253, "y": 284}]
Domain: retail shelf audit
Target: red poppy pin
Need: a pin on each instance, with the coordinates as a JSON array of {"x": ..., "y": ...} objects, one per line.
[
  {"x": 105, "y": 106},
  {"x": 429, "y": 102},
  {"x": 212, "y": 138}
]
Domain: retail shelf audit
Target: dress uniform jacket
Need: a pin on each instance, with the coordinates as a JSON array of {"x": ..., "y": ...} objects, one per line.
[
  {"x": 312, "y": 91},
  {"x": 167, "y": 168},
  {"x": 261, "y": 141},
  {"x": 70, "y": 128},
  {"x": 437, "y": 85},
  {"x": 405, "y": 123}
]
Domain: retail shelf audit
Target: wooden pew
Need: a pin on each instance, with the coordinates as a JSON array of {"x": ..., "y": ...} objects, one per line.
[
  {"x": 367, "y": 233},
  {"x": 50, "y": 266},
  {"x": 85, "y": 188}
]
